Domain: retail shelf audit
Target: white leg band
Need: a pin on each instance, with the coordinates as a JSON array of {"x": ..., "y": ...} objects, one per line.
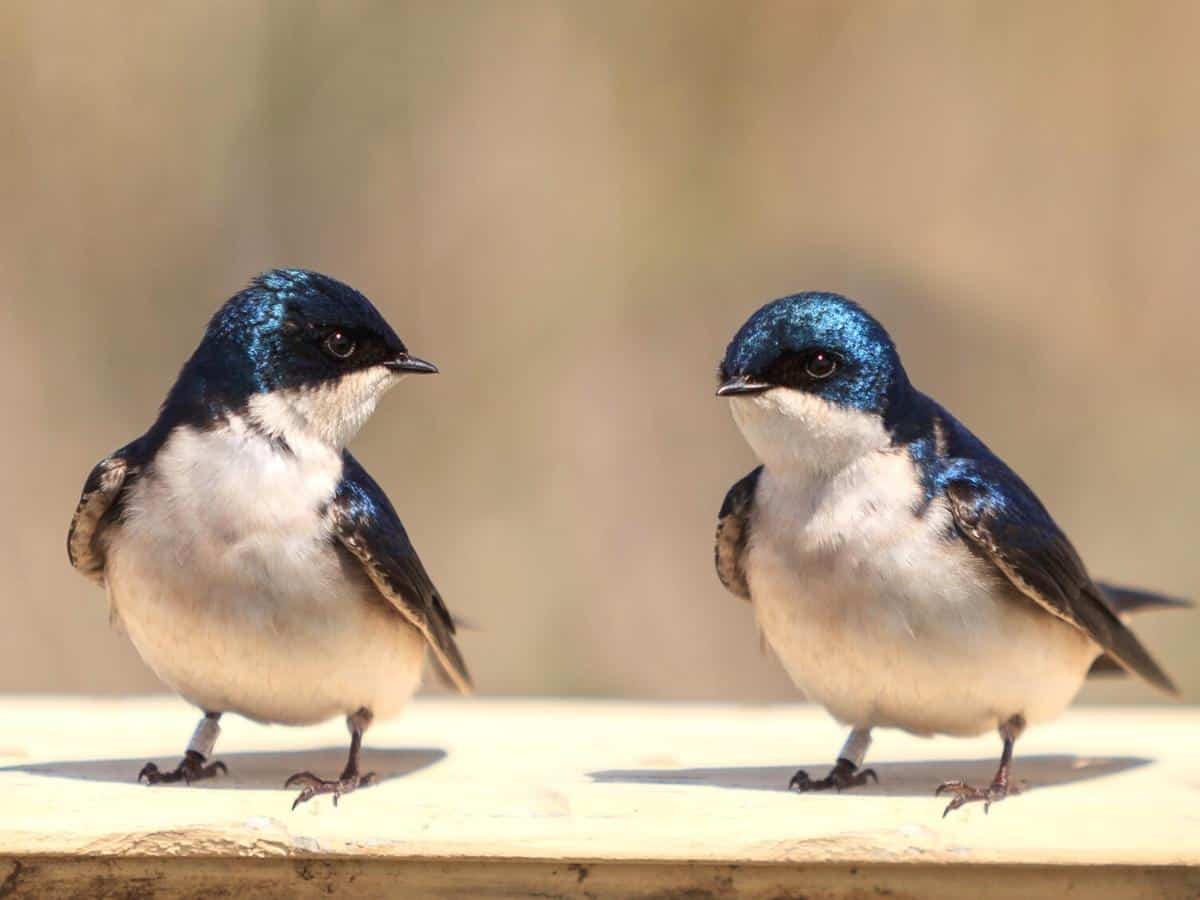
[
  {"x": 855, "y": 748},
  {"x": 205, "y": 737}
]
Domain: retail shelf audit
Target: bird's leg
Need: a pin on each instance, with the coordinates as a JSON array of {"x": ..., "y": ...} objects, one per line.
[
  {"x": 350, "y": 780},
  {"x": 1001, "y": 785},
  {"x": 195, "y": 765},
  {"x": 846, "y": 772}
]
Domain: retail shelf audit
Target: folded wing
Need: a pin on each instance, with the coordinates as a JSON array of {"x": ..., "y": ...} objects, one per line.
[
  {"x": 365, "y": 523},
  {"x": 1005, "y": 523},
  {"x": 733, "y": 535},
  {"x": 98, "y": 505}
]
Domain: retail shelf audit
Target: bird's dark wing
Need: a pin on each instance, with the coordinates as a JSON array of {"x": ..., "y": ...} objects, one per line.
[
  {"x": 733, "y": 534},
  {"x": 1005, "y": 523},
  {"x": 98, "y": 505},
  {"x": 367, "y": 526}
]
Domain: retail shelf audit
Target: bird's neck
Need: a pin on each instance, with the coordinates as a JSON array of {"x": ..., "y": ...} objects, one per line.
[
  {"x": 800, "y": 436},
  {"x": 330, "y": 413}
]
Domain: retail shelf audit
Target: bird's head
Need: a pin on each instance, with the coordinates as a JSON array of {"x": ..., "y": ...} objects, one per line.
[
  {"x": 811, "y": 378},
  {"x": 299, "y": 351}
]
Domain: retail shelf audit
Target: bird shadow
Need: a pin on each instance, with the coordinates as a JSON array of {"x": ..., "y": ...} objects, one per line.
[
  {"x": 896, "y": 779},
  {"x": 248, "y": 771}
]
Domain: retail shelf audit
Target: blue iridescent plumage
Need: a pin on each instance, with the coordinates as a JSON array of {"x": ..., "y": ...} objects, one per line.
[
  {"x": 816, "y": 321},
  {"x": 872, "y": 379},
  {"x": 264, "y": 338}
]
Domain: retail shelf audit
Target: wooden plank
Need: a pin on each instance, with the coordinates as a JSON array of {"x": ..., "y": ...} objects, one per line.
[
  {"x": 502, "y": 797},
  {"x": 143, "y": 877}
]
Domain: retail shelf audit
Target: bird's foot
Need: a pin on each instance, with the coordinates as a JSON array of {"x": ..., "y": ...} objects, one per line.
[
  {"x": 964, "y": 794},
  {"x": 312, "y": 785},
  {"x": 844, "y": 775},
  {"x": 191, "y": 768}
]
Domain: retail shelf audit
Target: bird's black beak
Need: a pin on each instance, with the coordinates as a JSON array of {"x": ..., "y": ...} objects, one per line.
[
  {"x": 741, "y": 385},
  {"x": 406, "y": 363}
]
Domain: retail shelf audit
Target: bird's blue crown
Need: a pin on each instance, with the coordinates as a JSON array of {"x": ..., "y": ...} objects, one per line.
[
  {"x": 778, "y": 343},
  {"x": 276, "y": 334}
]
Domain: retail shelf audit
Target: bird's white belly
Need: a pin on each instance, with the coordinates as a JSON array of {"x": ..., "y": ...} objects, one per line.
[
  {"x": 228, "y": 585},
  {"x": 882, "y": 619}
]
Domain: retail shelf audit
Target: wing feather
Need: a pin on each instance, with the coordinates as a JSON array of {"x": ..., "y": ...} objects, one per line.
[
  {"x": 368, "y": 527},
  {"x": 733, "y": 535},
  {"x": 98, "y": 501},
  {"x": 1005, "y": 523}
]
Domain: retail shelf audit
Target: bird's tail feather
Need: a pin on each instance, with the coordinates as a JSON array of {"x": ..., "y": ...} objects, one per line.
[{"x": 1123, "y": 601}]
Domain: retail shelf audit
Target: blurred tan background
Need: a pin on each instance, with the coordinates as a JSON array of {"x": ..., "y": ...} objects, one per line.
[{"x": 570, "y": 208}]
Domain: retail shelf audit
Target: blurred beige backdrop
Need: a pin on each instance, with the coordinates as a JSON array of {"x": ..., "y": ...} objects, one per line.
[{"x": 570, "y": 208}]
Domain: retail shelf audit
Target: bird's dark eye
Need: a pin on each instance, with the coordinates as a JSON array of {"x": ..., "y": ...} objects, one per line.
[
  {"x": 820, "y": 365},
  {"x": 339, "y": 345}
]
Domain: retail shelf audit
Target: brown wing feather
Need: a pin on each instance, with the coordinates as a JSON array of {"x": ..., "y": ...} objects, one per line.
[
  {"x": 100, "y": 492},
  {"x": 733, "y": 534}
]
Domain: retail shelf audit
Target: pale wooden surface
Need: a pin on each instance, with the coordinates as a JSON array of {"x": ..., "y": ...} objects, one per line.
[{"x": 499, "y": 797}]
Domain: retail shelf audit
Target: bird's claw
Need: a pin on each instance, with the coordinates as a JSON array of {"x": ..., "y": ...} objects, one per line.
[
  {"x": 844, "y": 775},
  {"x": 312, "y": 786},
  {"x": 190, "y": 769},
  {"x": 965, "y": 793}
]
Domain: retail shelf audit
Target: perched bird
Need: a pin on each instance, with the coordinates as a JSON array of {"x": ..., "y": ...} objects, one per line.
[
  {"x": 255, "y": 565},
  {"x": 902, "y": 573}
]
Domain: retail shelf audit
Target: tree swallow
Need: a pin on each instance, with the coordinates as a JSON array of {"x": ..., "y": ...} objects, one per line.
[
  {"x": 253, "y": 562},
  {"x": 903, "y": 574}
]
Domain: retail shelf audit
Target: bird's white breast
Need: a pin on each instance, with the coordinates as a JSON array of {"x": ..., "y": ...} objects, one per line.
[
  {"x": 227, "y": 582},
  {"x": 880, "y": 613}
]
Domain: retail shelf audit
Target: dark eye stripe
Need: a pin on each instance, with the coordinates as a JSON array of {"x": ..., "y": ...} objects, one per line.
[{"x": 803, "y": 370}]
